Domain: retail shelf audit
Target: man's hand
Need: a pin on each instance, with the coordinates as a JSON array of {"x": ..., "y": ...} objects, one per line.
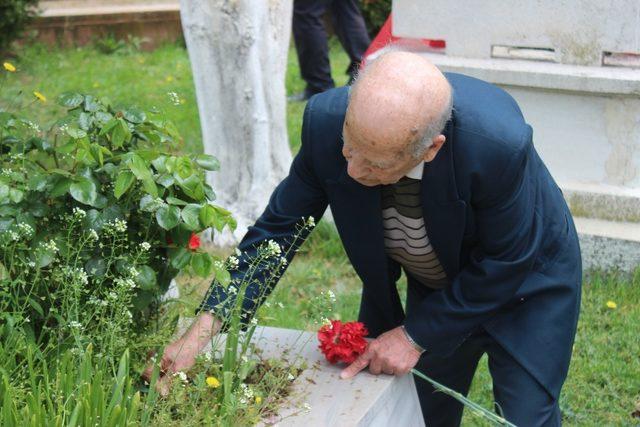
[
  {"x": 181, "y": 354},
  {"x": 391, "y": 353}
]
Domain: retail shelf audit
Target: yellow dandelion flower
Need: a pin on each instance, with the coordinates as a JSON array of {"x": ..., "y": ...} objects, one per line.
[
  {"x": 39, "y": 96},
  {"x": 9, "y": 67},
  {"x": 169, "y": 78},
  {"x": 258, "y": 400},
  {"x": 612, "y": 305},
  {"x": 213, "y": 382}
]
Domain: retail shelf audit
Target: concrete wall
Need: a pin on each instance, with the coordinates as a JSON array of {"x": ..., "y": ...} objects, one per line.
[
  {"x": 555, "y": 58},
  {"x": 578, "y": 30}
]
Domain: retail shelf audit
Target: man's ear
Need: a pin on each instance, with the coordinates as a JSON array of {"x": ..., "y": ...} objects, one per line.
[{"x": 431, "y": 152}]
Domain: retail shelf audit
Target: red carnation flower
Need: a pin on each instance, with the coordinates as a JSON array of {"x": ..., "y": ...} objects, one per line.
[
  {"x": 194, "y": 242},
  {"x": 342, "y": 342}
]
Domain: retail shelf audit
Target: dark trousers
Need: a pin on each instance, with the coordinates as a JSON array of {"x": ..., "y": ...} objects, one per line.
[
  {"x": 518, "y": 396},
  {"x": 310, "y": 38}
]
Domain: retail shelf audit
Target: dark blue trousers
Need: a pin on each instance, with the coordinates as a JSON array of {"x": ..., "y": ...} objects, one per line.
[
  {"x": 518, "y": 396},
  {"x": 310, "y": 38}
]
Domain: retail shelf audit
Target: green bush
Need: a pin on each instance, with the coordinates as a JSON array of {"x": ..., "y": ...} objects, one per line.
[
  {"x": 14, "y": 17},
  {"x": 96, "y": 212},
  {"x": 375, "y": 12}
]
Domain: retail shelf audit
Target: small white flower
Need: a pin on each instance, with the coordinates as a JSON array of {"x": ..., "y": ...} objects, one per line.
[
  {"x": 332, "y": 296},
  {"x": 254, "y": 321},
  {"x": 145, "y": 246},
  {"x": 182, "y": 376},
  {"x": 174, "y": 98},
  {"x": 232, "y": 290},
  {"x": 233, "y": 262},
  {"x": 93, "y": 235},
  {"x": 311, "y": 222},
  {"x": 273, "y": 248},
  {"x": 120, "y": 225},
  {"x": 290, "y": 376},
  {"x": 306, "y": 406},
  {"x": 79, "y": 213},
  {"x": 75, "y": 325},
  {"x": 280, "y": 305}
]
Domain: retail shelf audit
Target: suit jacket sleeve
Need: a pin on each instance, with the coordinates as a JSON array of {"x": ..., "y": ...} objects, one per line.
[
  {"x": 509, "y": 234},
  {"x": 298, "y": 197}
]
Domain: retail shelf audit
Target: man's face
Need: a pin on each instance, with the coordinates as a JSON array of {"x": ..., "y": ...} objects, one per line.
[{"x": 374, "y": 163}]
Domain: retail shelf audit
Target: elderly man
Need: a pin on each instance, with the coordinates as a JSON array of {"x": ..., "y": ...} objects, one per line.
[{"x": 437, "y": 175}]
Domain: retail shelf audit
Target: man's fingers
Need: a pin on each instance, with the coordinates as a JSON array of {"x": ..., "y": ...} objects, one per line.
[{"x": 358, "y": 365}]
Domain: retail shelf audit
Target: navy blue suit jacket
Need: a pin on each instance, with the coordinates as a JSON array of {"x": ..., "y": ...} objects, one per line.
[{"x": 493, "y": 213}]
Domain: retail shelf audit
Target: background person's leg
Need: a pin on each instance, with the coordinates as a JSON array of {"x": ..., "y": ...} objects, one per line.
[
  {"x": 310, "y": 39},
  {"x": 522, "y": 400},
  {"x": 351, "y": 30}
]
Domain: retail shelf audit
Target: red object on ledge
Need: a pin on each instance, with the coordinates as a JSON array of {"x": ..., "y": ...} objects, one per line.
[{"x": 385, "y": 37}]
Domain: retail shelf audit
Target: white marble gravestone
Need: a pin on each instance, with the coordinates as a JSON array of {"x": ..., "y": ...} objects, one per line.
[
  {"x": 365, "y": 400},
  {"x": 574, "y": 68}
]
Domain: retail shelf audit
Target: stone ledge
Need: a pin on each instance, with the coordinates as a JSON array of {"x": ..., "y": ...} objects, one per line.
[
  {"x": 75, "y": 8},
  {"x": 365, "y": 400},
  {"x": 544, "y": 75},
  {"x": 605, "y": 202},
  {"x": 609, "y": 245}
]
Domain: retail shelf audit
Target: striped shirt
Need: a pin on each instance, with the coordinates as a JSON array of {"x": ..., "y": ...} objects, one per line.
[{"x": 405, "y": 235}]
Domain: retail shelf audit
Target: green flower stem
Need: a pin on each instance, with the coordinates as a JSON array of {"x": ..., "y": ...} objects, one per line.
[{"x": 474, "y": 407}]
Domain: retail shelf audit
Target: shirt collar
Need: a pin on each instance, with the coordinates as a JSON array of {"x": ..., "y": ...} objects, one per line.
[{"x": 416, "y": 173}]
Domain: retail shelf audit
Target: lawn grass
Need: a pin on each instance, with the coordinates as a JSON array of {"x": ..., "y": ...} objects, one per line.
[{"x": 604, "y": 380}]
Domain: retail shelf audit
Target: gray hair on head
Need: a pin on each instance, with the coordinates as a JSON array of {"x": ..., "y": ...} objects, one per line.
[{"x": 418, "y": 147}]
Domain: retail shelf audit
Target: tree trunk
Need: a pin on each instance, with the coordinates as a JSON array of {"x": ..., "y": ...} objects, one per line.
[{"x": 238, "y": 51}]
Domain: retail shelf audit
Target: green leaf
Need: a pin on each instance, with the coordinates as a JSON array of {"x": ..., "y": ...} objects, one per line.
[
  {"x": 37, "y": 182},
  {"x": 97, "y": 153},
  {"x": 4, "y": 193},
  {"x": 85, "y": 121},
  {"x": 84, "y": 191},
  {"x": 91, "y": 104},
  {"x": 184, "y": 167},
  {"x": 165, "y": 180},
  {"x": 96, "y": 267},
  {"x": 134, "y": 115},
  {"x": 108, "y": 126},
  {"x": 146, "y": 277},
  {"x": 222, "y": 275},
  {"x": 221, "y": 218},
  {"x": 148, "y": 204},
  {"x": 202, "y": 264},
  {"x": 123, "y": 183},
  {"x": 168, "y": 216},
  {"x": 190, "y": 216},
  {"x": 159, "y": 164},
  {"x": 207, "y": 215},
  {"x": 180, "y": 257},
  {"x": 76, "y": 133},
  {"x": 120, "y": 133},
  {"x": 140, "y": 169},
  {"x": 70, "y": 99},
  {"x": 60, "y": 187},
  {"x": 16, "y": 195},
  {"x": 175, "y": 201},
  {"x": 208, "y": 162}
]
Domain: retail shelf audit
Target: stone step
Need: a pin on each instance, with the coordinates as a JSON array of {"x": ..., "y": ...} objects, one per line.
[
  {"x": 72, "y": 23},
  {"x": 607, "y": 245},
  {"x": 80, "y": 8},
  {"x": 599, "y": 201}
]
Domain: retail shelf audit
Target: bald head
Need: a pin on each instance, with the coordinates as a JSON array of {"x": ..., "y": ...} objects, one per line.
[{"x": 398, "y": 101}]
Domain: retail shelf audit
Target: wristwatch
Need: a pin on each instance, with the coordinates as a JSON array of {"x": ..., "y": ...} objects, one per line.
[{"x": 415, "y": 345}]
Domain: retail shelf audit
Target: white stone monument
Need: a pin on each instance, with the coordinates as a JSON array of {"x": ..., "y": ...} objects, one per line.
[
  {"x": 364, "y": 400},
  {"x": 573, "y": 66}
]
